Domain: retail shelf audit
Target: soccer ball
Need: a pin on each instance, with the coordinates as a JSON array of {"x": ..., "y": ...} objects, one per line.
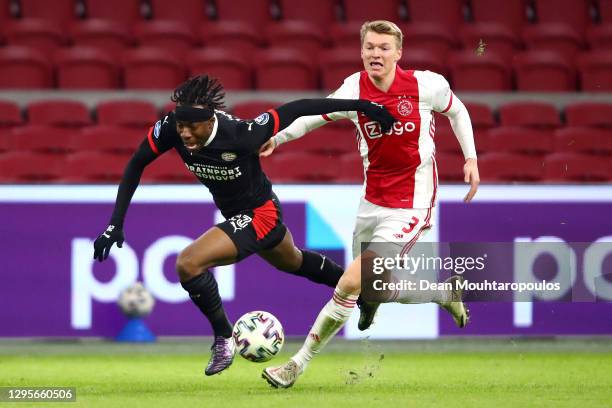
[
  {"x": 259, "y": 336},
  {"x": 136, "y": 301}
]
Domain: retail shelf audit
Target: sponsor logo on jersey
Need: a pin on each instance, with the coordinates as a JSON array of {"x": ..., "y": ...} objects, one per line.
[
  {"x": 157, "y": 128},
  {"x": 404, "y": 107},
  {"x": 240, "y": 221},
  {"x": 372, "y": 129},
  {"x": 229, "y": 156},
  {"x": 215, "y": 173},
  {"x": 262, "y": 119}
]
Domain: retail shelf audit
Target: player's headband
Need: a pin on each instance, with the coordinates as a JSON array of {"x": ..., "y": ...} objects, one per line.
[{"x": 191, "y": 114}]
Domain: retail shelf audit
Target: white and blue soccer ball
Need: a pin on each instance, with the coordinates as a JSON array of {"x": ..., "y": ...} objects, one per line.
[
  {"x": 259, "y": 336},
  {"x": 136, "y": 301}
]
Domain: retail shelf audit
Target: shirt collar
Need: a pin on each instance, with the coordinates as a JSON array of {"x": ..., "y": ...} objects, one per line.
[{"x": 214, "y": 131}]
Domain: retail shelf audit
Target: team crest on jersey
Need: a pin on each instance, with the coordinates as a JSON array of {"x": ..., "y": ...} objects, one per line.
[
  {"x": 240, "y": 221},
  {"x": 157, "y": 128},
  {"x": 262, "y": 119},
  {"x": 229, "y": 156},
  {"x": 404, "y": 107}
]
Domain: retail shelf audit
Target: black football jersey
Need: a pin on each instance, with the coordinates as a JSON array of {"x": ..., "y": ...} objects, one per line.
[{"x": 228, "y": 164}]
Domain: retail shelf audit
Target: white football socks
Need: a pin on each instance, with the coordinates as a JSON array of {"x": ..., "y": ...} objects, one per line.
[{"x": 330, "y": 320}]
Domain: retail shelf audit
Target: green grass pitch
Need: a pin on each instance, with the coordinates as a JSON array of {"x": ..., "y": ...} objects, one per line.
[{"x": 447, "y": 373}]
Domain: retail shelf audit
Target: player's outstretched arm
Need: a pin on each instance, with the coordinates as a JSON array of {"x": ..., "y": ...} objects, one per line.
[{"x": 129, "y": 182}]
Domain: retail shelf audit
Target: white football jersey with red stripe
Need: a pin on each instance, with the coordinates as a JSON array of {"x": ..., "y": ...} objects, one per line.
[{"x": 400, "y": 165}]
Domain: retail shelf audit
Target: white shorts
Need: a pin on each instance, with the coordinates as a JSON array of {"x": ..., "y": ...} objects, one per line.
[{"x": 402, "y": 226}]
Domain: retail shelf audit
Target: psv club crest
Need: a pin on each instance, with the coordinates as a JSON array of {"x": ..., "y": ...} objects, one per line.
[{"x": 404, "y": 107}]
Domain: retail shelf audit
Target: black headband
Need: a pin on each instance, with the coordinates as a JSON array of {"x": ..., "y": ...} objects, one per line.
[{"x": 191, "y": 114}]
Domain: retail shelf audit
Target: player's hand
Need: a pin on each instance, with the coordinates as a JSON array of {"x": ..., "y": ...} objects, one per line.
[
  {"x": 377, "y": 113},
  {"x": 267, "y": 148},
  {"x": 471, "y": 176},
  {"x": 103, "y": 244}
]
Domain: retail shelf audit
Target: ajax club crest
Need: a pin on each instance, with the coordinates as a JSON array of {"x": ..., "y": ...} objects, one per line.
[{"x": 404, "y": 107}]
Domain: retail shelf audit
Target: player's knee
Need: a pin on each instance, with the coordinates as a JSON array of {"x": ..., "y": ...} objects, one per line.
[
  {"x": 291, "y": 262},
  {"x": 350, "y": 283},
  {"x": 185, "y": 266}
]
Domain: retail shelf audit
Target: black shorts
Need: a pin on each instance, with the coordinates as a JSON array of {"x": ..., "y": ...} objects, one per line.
[{"x": 256, "y": 230}]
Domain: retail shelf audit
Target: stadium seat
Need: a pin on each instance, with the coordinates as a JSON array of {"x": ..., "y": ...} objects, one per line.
[
  {"x": 110, "y": 36},
  {"x": 17, "y": 167},
  {"x": 301, "y": 167},
  {"x": 450, "y": 167},
  {"x": 109, "y": 139},
  {"x": 320, "y": 12},
  {"x": 584, "y": 140},
  {"x": 367, "y": 10},
  {"x": 595, "y": 71},
  {"x": 42, "y": 35},
  {"x": 10, "y": 115},
  {"x": 129, "y": 113},
  {"x": 446, "y": 12},
  {"x": 556, "y": 37},
  {"x": 337, "y": 64},
  {"x": 123, "y": 11},
  {"x": 168, "y": 34},
  {"x": 61, "y": 113},
  {"x": 511, "y": 13},
  {"x": 326, "y": 141},
  {"x": 86, "y": 68},
  {"x": 422, "y": 59},
  {"x": 237, "y": 36},
  {"x": 97, "y": 167},
  {"x": 574, "y": 167},
  {"x": 168, "y": 168},
  {"x": 544, "y": 71},
  {"x": 301, "y": 35},
  {"x": 529, "y": 114},
  {"x": 446, "y": 142},
  {"x": 346, "y": 35},
  {"x": 487, "y": 72},
  {"x": 489, "y": 37},
  {"x": 600, "y": 37},
  {"x": 283, "y": 69},
  {"x": 176, "y": 10},
  {"x": 231, "y": 68},
  {"x": 252, "y": 109},
  {"x": 589, "y": 114},
  {"x": 24, "y": 68},
  {"x": 153, "y": 68},
  {"x": 574, "y": 13},
  {"x": 42, "y": 139},
  {"x": 481, "y": 115},
  {"x": 507, "y": 167},
  {"x": 605, "y": 11},
  {"x": 62, "y": 11},
  {"x": 351, "y": 169},
  {"x": 254, "y": 12},
  {"x": 5, "y": 10},
  {"x": 434, "y": 37},
  {"x": 514, "y": 139}
]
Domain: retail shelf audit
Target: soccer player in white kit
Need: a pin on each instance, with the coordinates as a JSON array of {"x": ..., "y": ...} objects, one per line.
[{"x": 400, "y": 177}]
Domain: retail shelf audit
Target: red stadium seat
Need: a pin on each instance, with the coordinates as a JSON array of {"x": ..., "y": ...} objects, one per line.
[
  {"x": 62, "y": 113},
  {"x": 346, "y": 35},
  {"x": 367, "y": 10},
  {"x": 600, "y": 37},
  {"x": 605, "y": 11},
  {"x": 326, "y": 141},
  {"x": 240, "y": 37},
  {"x": 109, "y": 139},
  {"x": 285, "y": 68},
  {"x": 337, "y": 64},
  {"x": 446, "y": 12},
  {"x": 589, "y": 114},
  {"x": 169, "y": 34},
  {"x": 520, "y": 140},
  {"x": 351, "y": 169},
  {"x": 529, "y": 114},
  {"x": 505, "y": 167},
  {"x": 252, "y": 109},
  {"x": 301, "y": 167},
  {"x": 595, "y": 71},
  {"x": 573, "y": 167},
  {"x": 42, "y": 35},
  {"x": 129, "y": 113},
  {"x": 168, "y": 168},
  {"x": 111, "y": 36},
  {"x": 42, "y": 139},
  {"x": 320, "y": 12},
  {"x": 433, "y": 37},
  {"x": 422, "y": 59},
  {"x": 124, "y": 11},
  {"x": 62, "y": 11},
  {"x": 489, "y": 37},
  {"x": 231, "y": 68},
  {"x": 487, "y": 72},
  {"x": 152, "y": 68},
  {"x": 481, "y": 115},
  {"x": 10, "y": 115},
  {"x": 18, "y": 167},
  {"x": 5, "y": 10},
  {"x": 86, "y": 68},
  {"x": 301, "y": 35},
  {"x": 511, "y": 13},
  {"x": 571, "y": 12},
  {"x": 24, "y": 68},
  {"x": 192, "y": 12},
  {"x": 544, "y": 71},
  {"x": 446, "y": 142},
  {"x": 584, "y": 140},
  {"x": 556, "y": 37},
  {"x": 98, "y": 167},
  {"x": 450, "y": 167},
  {"x": 254, "y": 12}
]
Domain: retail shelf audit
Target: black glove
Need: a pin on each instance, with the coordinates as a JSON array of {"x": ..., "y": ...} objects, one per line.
[
  {"x": 104, "y": 242},
  {"x": 377, "y": 113}
]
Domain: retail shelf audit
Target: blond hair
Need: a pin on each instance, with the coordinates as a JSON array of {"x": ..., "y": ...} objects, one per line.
[{"x": 382, "y": 27}]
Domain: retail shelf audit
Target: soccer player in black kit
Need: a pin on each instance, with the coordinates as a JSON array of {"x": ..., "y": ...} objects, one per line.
[{"x": 223, "y": 153}]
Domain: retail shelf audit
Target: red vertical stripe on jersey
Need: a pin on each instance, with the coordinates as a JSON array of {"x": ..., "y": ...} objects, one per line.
[
  {"x": 450, "y": 102},
  {"x": 264, "y": 219},
  {"x": 276, "y": 121},
  {"x": 435, "y": 180},
  {"x": 151, "y": 143},
  {"x": 327, "y": 118}
]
